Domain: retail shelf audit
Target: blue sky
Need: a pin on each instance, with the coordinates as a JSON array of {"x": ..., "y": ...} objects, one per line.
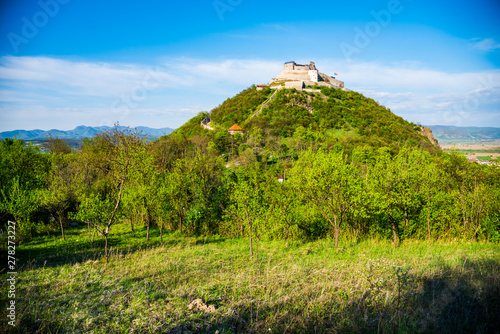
[{"x": 65, "y": 63}]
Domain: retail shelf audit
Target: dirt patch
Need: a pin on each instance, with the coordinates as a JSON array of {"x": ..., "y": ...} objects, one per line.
[{"x": 199, "y": 305}]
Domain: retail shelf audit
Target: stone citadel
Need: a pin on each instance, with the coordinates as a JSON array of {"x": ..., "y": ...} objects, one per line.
[
  {"x": 293, "y": 75},
  {"x": 298, "y": 76}
]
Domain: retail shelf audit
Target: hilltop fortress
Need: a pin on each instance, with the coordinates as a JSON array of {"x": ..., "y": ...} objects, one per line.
[
  {"x": 298, "y": 76},
  {"x": 293, "y": 76}
]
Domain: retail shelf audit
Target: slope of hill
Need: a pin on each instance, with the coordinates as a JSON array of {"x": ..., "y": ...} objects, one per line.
[
  {"x": 79, "y": 132},
  {"x": 331, "y": 116}
]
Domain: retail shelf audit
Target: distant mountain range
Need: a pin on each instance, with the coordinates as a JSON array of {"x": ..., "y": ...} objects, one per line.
[
  {"x": 80, "y": 132},
  {"x": 455, "y": 134},
  {"x": 443, "y": 133}
]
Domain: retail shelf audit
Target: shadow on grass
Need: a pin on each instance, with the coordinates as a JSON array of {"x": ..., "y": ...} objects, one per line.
[
  {"x": 449, "y": 302},
  {"x": 455, "y": 300},
  {"x": 51, "y": 251}
]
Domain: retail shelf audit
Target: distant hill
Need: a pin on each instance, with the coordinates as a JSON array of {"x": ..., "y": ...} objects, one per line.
[
  {"x": 79, "y": 132},
  {"x": 454, "y": 134}
]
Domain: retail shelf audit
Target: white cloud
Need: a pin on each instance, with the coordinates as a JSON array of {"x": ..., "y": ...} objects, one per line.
[
  {"x": 233, "y": 71},
  {"x": 48, "y": 88},
  {"x": 485, "y": 44},
  {"x": 108, "y": 79},
  {"x": 61, "y": 91},
  {"x": 423, "y": 95},
  {"x": 409, "y": 77},
  {"x": 75, "y": 78}
]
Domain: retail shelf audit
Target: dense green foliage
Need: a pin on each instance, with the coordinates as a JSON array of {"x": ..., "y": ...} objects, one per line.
[
  {"x": 332, "y": 117},
  {"x": 350, "y": 172},
  {"x": 117, "y": 177},
  {"x": 23, "y": 176},
  {"x": 350, "y": 167},
  {"x": 322, "y": 115}
]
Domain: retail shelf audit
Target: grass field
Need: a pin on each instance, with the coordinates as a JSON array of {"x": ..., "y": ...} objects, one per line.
[{"x": 305, "y": 288}]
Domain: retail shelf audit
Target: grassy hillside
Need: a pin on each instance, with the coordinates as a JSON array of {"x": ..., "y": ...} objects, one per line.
[
  {"x": 335, "y": 110},
  {"x": 306, "y": 287},
  {"x": 329, "y": 117},
  {"x": 239, "y": 108}
]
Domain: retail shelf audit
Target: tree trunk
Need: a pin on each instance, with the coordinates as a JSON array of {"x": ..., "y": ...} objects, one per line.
[
  {"x": 88, "y": 226},
  {"x": 93, "y": 236},
  {"x": 161, "y": 234},
  {"x": 336, "y": 232},
  {"x": 62, "y": 228},
  {"x": 406, "y": 217},
  {"x": 251, "y": 249},
  {"x": 336, "y": 236},
  {"x": 106, "y": 247},
  {"x": 180, "y": 222},
  {"x": 395, "y": 234},
  {"x": 132, "y": 225},
  {"x": 429, "y": 227},
  {"x": 429, "y": 224},
  {"x": 149, "y": 225},
  {"x": 91, "y": 240}
]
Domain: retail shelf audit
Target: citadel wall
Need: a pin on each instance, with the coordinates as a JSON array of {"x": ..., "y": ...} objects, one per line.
[{"x": 308, "y": 75}]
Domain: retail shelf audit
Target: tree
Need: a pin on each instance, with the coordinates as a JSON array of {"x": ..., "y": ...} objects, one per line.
[
  {"x": 142, "y": 194},
  {"x": 473, "y": 198},
  {"x": 23, "y": 172},
  {"x": 22, "y": 161},
  {"x": 285, "y": 206},
  {"x": 205, "y": 173},
  {"x": 246, "y": 203},
  {"x": 394, "y": 188},
  {"x": 472, "y": 192},
  {"x": 57, "y": 146},
  {"x": 434, "y": 189},
  {"x": 331, "y": 185},
  {"x": 177, "y": 190},
  {"x": 20, "y": 202},
  {"x": 168, "y": 149},
  {"x": 108, "y": 158},
  {"x": 60, "y": 194}
]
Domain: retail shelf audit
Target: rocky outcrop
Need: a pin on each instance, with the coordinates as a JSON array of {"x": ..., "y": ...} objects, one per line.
[{"x": 426, "y": 132}]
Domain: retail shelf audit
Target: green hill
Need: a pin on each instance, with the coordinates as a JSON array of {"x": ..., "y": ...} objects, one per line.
[{"x": 289, "y": 118}]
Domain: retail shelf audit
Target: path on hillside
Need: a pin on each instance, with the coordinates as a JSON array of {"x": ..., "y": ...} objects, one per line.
[{"x": 264, "y": 104}]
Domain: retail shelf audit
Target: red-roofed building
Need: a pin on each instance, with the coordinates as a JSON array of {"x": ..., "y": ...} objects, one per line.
[{"x": 235, "y": 129}]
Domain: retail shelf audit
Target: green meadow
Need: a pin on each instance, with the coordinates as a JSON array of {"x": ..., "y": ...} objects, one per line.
[{"x": 307, "y": 287}]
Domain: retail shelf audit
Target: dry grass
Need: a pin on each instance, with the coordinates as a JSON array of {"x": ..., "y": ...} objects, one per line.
[{"x": 306, "y": 288}]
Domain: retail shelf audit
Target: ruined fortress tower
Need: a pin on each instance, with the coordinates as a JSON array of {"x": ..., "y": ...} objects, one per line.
[{"x": 298, "y": 76}]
